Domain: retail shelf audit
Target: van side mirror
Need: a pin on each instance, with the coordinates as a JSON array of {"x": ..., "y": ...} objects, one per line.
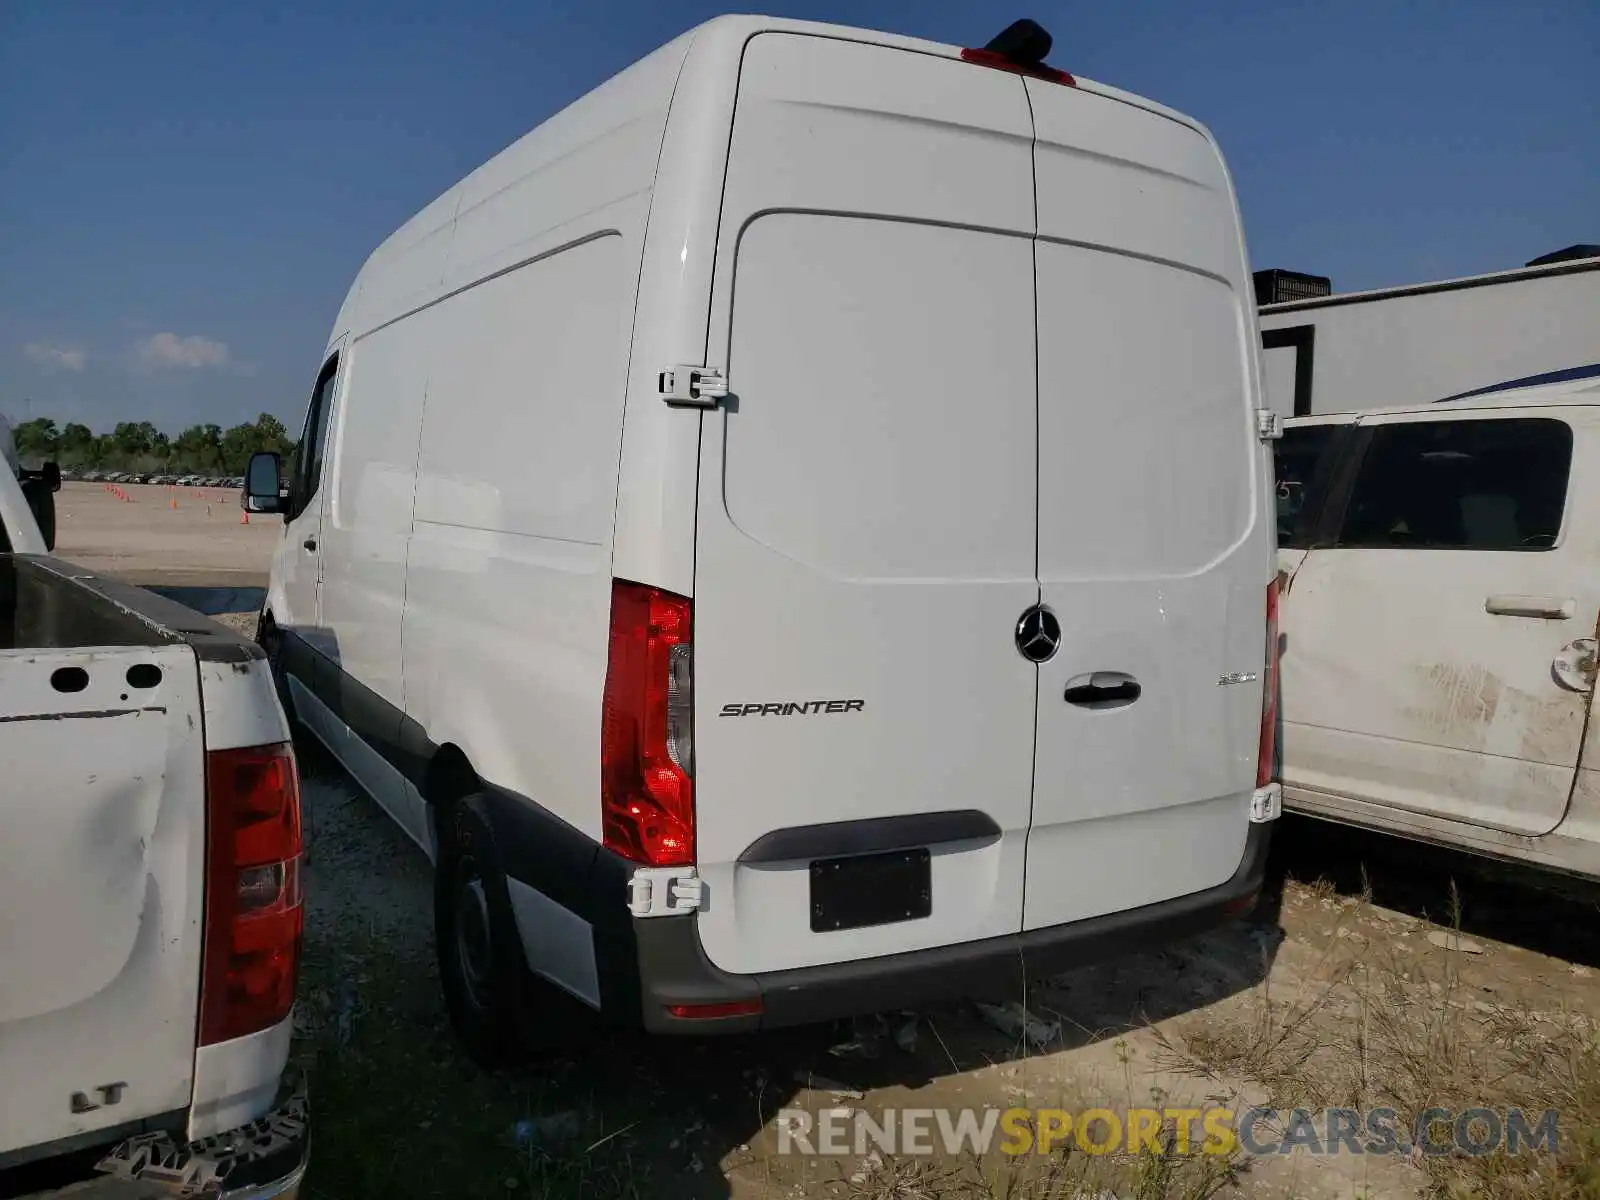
[
  {"x": 263, "y": 492},
  {"x": 51, "y": 474}
]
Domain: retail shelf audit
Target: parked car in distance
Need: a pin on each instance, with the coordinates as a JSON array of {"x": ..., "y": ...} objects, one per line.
[
  {"x": 1440, "y": 596},
  {"x": 780, "y": 675}
]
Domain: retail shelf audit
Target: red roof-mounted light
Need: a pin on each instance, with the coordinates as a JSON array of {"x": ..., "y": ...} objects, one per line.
[{"x": 1020, "y": 48}]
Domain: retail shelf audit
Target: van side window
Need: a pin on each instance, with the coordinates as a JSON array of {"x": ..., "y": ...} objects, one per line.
[
  {"x": 1297, "y": 455},
  {"x": 312, "y": 451},
  {"x": 1461, "y": 485}
]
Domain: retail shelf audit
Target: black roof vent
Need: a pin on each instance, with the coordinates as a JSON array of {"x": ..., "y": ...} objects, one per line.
[
  {"x": 1278, "y": 286},
  {"x": 1571, "y": 253}
]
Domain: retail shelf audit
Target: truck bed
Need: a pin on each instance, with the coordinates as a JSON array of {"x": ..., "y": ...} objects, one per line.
[{"x": 47, "y": 603}]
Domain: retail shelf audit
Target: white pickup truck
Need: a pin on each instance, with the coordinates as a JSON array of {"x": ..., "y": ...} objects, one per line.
[{"x": 150, "y": 908}]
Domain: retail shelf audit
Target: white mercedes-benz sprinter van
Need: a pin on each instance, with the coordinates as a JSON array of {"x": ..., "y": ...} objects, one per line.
[{"x": 791, "y": 536}]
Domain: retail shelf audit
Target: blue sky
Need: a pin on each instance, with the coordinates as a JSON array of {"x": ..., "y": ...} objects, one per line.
[{"x": 188, "y": 187}]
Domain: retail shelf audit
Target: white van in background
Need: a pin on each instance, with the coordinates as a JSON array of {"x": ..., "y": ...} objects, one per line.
[
  {"x": 1441, "y": 571},
  {"x": 790, "y": 536}
]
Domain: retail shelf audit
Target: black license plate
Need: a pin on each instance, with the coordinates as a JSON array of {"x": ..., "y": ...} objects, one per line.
[{"x": 870, "y": 889}]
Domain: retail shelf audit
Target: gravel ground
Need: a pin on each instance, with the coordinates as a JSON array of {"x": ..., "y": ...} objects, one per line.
[
  {"x": 365, "y": 880},
  {"x": 244, "y": 623},
  {"x": 1328, "y": 995}
]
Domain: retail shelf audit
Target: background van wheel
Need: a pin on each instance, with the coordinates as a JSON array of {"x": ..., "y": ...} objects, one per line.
[{"x": 500, "y": 1011}]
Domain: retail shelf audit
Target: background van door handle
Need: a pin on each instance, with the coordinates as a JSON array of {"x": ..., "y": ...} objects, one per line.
[
  {"x": 310, "y": 543},
  {"x": 1548, "y": 608}
]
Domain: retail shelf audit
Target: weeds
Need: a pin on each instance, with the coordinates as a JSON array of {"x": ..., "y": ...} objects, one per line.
[
  {"x": 1386, "y": 1025},
  {"x": 1070, "y": 1175}
]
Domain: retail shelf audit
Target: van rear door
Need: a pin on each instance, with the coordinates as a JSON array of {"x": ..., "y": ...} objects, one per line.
[
  {"x": 1154, "y": 553},
  {"x": 867, "y": 510}
]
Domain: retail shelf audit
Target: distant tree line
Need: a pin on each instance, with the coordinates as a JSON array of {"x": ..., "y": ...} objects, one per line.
[{"x": 140, "y": 446}]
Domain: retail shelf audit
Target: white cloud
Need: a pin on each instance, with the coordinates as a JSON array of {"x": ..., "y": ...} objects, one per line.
[
  {"x": 170, "y": 350},
  {"x": 55, "y": 358}
]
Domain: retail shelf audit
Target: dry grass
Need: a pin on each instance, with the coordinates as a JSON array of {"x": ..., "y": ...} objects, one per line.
[
  {"x": 1389, "y": 1025},
  {"x": 1072, "y": 1175}
]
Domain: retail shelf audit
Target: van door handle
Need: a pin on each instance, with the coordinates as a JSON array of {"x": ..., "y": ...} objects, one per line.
[
  {"x": 310, "y": 543},
  {"x": 1102, "y": 689},
  {"x": 1547, "y": 608}
]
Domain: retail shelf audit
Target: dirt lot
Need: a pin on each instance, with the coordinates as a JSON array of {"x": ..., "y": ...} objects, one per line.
[
  {"x": 1375, "y": 974},
  {"x": 1329, "y": 995},
  {"x": 147, "y": 540}
]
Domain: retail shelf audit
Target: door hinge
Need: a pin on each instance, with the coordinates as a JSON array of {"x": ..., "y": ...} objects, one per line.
[
  {"x": 1266, "y": 804},
  {"x": 691, "y": 387},
  {"x": 663, "y": 891},
  {"x": 1269, "y": 425}
]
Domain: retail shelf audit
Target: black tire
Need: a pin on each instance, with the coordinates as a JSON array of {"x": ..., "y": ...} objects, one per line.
[{"x": 502, "y": 1013}]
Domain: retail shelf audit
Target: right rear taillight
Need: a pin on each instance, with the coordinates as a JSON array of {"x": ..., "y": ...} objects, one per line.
[
  {"x": 253, "y": 903},
  {"x": 646, "y": 742},
  {"x": 1267, "y": 760}
]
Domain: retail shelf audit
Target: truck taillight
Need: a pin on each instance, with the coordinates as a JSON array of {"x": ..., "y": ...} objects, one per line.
[
  {"x": 646, "y": 741},
  {"x": 1267, "y": 762},
  {"x": 253, "y": 902}
]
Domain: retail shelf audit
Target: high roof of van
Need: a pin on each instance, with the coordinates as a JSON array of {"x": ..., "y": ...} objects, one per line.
[{"x": 642, "y": 92}]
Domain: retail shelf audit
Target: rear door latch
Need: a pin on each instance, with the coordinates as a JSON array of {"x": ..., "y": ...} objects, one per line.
[
  {"x": 663, "y": 891},
  {"x": 1269, "y": 425},
  {"x": 691, "y": 387}
]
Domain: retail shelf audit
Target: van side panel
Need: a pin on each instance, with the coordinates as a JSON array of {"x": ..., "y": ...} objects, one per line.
[
  {"x": 1414, "y": 683},
  {"x": 367, "y": 521},
  {"x": 596, "y": 151},
  {"x": 509, "y": 584},
  {"x": 504, "y": 306}
]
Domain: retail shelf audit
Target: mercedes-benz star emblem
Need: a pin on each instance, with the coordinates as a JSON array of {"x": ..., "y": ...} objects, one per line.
[{"x": 1038, "y": 634}]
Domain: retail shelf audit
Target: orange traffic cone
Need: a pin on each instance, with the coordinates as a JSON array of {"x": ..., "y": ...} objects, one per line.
[
  {"x": 244, "y": 516},
  {"x": 174, "y": 503}
]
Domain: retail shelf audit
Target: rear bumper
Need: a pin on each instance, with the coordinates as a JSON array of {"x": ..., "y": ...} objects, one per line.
[
  {"x": 672, "y": 967},
  {"x": 264, "y": 1160}
]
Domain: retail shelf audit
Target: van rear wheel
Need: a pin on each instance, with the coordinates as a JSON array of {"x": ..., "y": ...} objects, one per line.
[{"x": 499, "y": 1010}]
